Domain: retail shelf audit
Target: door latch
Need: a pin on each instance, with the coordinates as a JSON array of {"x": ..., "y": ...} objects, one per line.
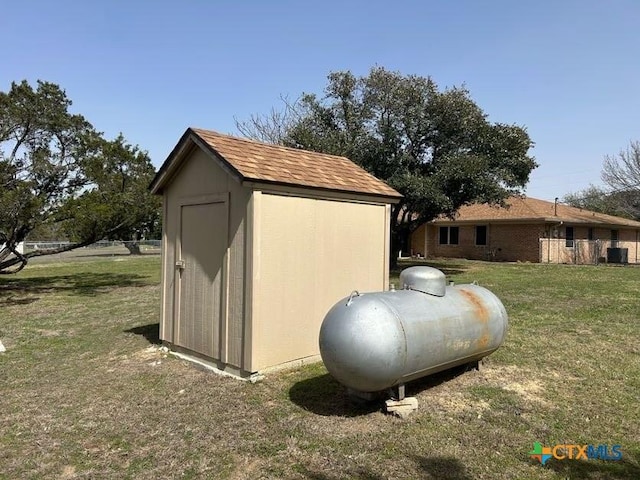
[{"x": 180, "y": 264}]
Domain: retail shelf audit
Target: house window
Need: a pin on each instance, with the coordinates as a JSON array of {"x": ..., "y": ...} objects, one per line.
[
  {"x": 569, "y": 237},
  {"x": 615, "y": 237},
  {"x": 449, "y": 235},
  {"x": 590, "y": 233},
  {"x": 481, "y": 235}
]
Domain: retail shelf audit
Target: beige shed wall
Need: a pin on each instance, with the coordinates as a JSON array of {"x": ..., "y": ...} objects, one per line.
[
  {"x": 308, "y": 254},
  {"x": 200, "y": 176}
]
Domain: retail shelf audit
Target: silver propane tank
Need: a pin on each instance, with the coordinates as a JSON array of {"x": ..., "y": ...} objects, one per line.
[{"x": 374, "y": 341}]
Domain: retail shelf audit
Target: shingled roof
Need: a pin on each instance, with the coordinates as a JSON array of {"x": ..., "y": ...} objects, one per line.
[
  {"x": 274, "y": 164},
  {"x": 532, "y": 210}
]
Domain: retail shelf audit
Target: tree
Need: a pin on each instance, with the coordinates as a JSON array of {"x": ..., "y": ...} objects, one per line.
[
  {"x": 273, "y": 126},
  {"x": 55, "y": 169},
  {"x": 622, "y": 174},
  {"x": 115, "y": 203},
  {"x": 597, "y": 199},
  {"x": 436, "y": 148}
]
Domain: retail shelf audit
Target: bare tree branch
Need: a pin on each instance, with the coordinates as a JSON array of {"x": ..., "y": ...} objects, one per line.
[
  {"x": 622, "y": 174},
  {"x": 273, "y": 126}
]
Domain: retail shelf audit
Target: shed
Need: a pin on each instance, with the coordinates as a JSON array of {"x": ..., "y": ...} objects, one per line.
[{"x": 259, "y": 241}]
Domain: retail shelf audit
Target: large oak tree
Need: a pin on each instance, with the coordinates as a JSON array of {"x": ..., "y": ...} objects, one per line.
[
  {"x": 56, "y": 169},
  {"x": 436, "y": 147}
]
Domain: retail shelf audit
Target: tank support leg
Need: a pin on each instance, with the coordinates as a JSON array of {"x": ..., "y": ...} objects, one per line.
[
  {"x": 401, "y": 391},
  {"x": 475, "y": 365},
  {"x": 401, "y": 406}
]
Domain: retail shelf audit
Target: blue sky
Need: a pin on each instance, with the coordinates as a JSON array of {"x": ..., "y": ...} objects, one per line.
[{"x": 566, "y": 70}]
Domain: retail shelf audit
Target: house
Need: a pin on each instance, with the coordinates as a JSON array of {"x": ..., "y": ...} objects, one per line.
[
  {"x": 530, "y": 230},
  {"x": 259, "y": 242}
]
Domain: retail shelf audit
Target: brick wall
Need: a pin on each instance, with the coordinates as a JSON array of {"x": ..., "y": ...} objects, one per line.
[
  {"x": 517, "y": 242},
  {"x": 504, "y": 243},
  {"x": 524, "y": 243}
]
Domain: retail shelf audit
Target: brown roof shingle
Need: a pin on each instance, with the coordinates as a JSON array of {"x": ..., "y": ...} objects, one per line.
[
  {"x": 277, "y": 164},
  {"x": 532, "y": 209}
]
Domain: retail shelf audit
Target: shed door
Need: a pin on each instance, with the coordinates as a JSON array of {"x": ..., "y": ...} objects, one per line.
[{"x": 200, "y": 273}]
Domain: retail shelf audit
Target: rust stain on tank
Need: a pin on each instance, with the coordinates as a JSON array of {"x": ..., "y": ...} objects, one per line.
[
  {"x": 483, "y": 341},
  {"x": 478, "y": 306},
  {"x": 482, "y": 314}
]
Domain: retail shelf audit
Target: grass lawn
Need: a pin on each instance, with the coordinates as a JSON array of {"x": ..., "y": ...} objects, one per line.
[{"x": 85, "y": 392}]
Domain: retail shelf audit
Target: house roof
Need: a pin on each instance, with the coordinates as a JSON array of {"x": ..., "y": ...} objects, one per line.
[
  {"x": 259, "y": 162},
  {"x": 532, "y": 210}
]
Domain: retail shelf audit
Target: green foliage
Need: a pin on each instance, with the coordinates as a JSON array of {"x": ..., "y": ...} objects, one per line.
[
  {"x": 435, "y": 147},
  {"x": 115, "y": 203},
  {"x": 57, "y": 173}
]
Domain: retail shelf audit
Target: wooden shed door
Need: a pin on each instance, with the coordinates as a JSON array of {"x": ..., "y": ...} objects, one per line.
[{"x": 200, "y": 273}]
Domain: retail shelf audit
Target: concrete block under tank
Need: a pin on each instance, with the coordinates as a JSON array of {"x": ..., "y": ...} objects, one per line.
[{"x": 374, "y": 341}]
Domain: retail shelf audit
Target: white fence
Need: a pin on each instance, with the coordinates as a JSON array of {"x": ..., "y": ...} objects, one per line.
[{"x": 36, "y": 245}]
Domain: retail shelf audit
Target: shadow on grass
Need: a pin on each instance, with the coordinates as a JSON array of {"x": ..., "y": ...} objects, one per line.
[
  {"x": 21, "y": 291},
  {"x": 358, "y": 474},
  {"x": 625, "y": 469},
  {"x": 441, "y": 468},
  {"x": 11, "y": 301},
  {"x": 432, "y": 381},
  {"x": 323, "y": 395},
  {"x": 151, "y": 332}
]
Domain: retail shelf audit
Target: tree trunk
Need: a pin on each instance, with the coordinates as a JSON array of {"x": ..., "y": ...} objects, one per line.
[
  {"x": 133, "y": 247},
  {"x": 6, "y": 264},
  {"x": 13, "y": 264},
  {"x": 399, "y": 244},
  {"x": 393, "y": 259}
]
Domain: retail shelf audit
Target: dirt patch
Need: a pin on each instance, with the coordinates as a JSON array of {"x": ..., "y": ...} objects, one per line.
[
  {"x": 153, "y": 352},
  {"x": 49, "y": 333},
  {"x": 455, "y": 396},
  {"x": 69, "y": 471},
  {"x": 153, "y": 355},
  {"x": 517, "y": 380},
  {"x": 457, "y": 403},
  {"x": 529, "y": 390}
]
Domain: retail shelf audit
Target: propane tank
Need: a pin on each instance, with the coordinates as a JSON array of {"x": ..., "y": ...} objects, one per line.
[{"x": 374, "y": 341}]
